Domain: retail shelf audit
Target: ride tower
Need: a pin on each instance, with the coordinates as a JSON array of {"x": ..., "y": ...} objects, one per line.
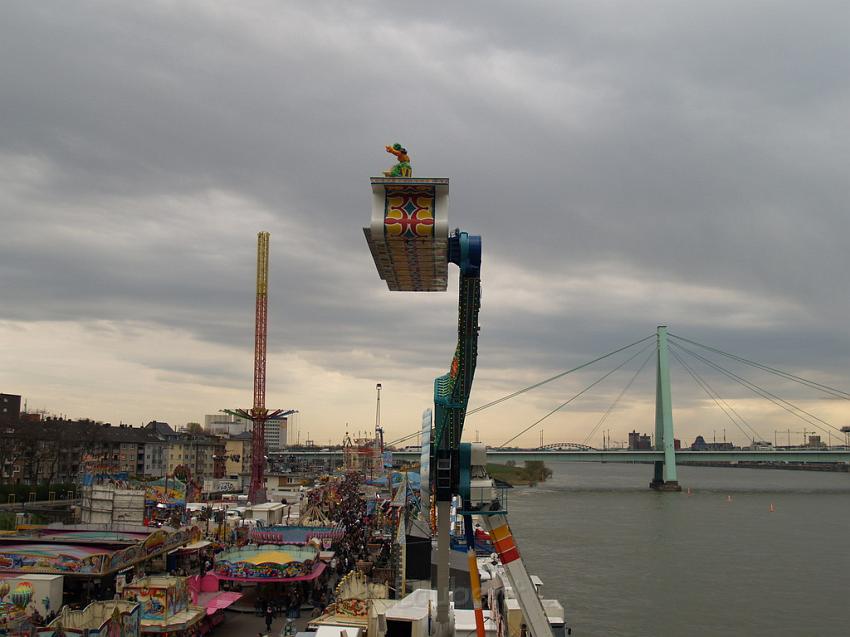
[
  {"x": 410, "y": 243},
  {"x": 258, "y": 414}
]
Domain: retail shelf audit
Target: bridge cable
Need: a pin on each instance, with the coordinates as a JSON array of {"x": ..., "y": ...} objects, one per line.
[
  {"x": 617, "y": 400},
  {"x": 493, "y": 403},
  {"x": 715, "y": 396},
  {"x": 717, "y": 399},
  {"x": 555, "y": 377},
  {"x": 780, "y": 402},
  {"x": 836, "y": 393},
  {"x": 593, "y": 384},
  {"x": 402, "y": 439},
  {"x": 765, "y": 393}
]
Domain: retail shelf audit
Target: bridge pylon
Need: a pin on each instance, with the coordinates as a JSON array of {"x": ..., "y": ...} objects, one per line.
[{"x": 665, "y": 478}]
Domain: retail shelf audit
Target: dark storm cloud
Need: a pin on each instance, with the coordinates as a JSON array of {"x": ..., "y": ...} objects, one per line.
[{"x": 688, "y": 160}]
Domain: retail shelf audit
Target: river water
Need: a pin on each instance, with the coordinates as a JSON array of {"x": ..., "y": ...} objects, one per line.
[{"x": 625, "y": 560}]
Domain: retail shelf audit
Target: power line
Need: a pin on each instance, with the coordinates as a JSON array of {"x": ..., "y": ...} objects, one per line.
[
  {"x": 567, "y": 402},
  {"x": 837, "y": 393}
]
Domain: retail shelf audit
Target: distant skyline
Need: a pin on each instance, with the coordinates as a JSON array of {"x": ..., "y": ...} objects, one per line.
[{"x": 627, "y": 165}]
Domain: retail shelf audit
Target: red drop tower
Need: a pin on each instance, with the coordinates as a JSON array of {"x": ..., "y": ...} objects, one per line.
[{"x": 258, "y": 414}]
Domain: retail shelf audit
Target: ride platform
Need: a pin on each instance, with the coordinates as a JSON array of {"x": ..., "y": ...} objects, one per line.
[{"x": 409, "y": 231}]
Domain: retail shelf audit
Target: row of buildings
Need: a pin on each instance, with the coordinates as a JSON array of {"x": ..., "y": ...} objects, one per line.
[
  {"x": 35, "y": 449},
  {"x": 643, "y": 442}
]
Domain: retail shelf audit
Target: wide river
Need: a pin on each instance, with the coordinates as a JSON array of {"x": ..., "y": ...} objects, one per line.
[{"x": 625, "y": 560}]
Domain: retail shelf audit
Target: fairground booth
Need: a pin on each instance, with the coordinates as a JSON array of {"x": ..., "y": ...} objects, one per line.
[
  {"x": 165, "y": 606},
  {"x": 179, "y": 605}
]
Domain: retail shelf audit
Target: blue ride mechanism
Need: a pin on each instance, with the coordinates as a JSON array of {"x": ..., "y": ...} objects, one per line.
[
  {"x": 410, "y": 243},
  {"x": 451, "y": 391},
  {"x": 408, "y": 236}
]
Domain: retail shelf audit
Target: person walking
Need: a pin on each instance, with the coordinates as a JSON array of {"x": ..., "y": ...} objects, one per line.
[{"x": 269, "y": 617}]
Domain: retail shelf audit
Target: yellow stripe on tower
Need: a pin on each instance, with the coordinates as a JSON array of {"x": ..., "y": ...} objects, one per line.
[{"x": 262, "y": 262}]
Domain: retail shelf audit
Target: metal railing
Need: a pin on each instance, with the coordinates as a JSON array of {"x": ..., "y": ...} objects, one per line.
[{"x": 488, "y": 500}]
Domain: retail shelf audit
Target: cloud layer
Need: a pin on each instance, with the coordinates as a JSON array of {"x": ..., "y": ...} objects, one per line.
[{"x": 627, "y": 166}]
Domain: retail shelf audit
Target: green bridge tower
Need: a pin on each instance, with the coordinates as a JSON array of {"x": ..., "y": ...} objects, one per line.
[{"x": 665, "y": 478}]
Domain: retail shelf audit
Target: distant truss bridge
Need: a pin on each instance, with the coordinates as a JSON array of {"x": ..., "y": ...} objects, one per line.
[{"x": 566, "y": 446}]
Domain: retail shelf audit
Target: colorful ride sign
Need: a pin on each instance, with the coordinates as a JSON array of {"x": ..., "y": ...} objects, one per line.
[
  {"x": 267, "y": 563},
  {"x": 167, "y": 491},
  {"x": 408, "y": 232}
]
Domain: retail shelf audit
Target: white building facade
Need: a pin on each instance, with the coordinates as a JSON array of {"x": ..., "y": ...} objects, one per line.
[
  {"x": 276, "y": 434},
  {"x": 225, "y": 425}
]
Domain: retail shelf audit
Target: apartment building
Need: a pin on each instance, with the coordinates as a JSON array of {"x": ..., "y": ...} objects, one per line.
[
  {"x": 33, "y": 450},
  {"x": 276, "y": 433},
  {"x": 238, "y": 454}
]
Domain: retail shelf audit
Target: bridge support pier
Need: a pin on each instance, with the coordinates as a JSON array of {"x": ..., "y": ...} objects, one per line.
[{"x": 665, "y": 478}]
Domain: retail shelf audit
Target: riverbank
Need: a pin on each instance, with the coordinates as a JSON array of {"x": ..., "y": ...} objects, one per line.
[{"x": 527, "y": 475}]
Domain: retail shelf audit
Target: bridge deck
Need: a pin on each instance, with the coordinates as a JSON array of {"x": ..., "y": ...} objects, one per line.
[{"x": 842, "y": 456}]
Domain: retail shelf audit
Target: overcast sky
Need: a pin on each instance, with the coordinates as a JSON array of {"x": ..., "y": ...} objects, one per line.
[{"x": 627, "y": 165}]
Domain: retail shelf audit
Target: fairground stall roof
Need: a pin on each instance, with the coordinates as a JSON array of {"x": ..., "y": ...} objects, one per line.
[
  {"x": 204, "y": 592},
  {"x": 93, "y": 537},
  {"x": 84, "y": 552},
  {"x": 269, "y": 563}
]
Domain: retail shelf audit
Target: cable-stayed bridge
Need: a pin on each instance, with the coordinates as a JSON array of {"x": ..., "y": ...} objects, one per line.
[
  {"x": 690, "y": 355},
  {"x": 623, "y": 455}
]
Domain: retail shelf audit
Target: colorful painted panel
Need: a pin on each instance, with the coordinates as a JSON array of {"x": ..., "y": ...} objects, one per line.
[
  {"x": 279, "y": 562},
  {"x": 152, "y": 600},
  {"x": 168, "y": 491},
  {"x": 52, "y": 558},
  {"x": 84, "y": 559},
  {"x": 265, "y": 570},
  {"x": 11, "y": 614},
  {"x": 408, "y": 232},
  {"x": 160, "y": 598},
  {"x": 131, "y": 624},
  {"x": 121, "y": 625},
  {"x": 409, "y": 212},
  {"x": 177, "y": 597}
]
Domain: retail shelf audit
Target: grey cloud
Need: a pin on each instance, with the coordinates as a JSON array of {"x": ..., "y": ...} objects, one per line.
[{"x": 701, "y": 145}]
